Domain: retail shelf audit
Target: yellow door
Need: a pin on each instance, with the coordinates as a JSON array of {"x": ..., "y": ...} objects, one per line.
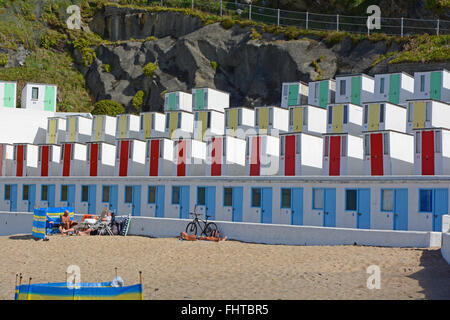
[
  {"x": 147, "y": 125},
  {"x": 232, "y": 121},
  {"x": 298, "y": 119},
  {"x": 52, "y": 132},
  {"x": 173, "y": 123},
  {"x": 123, "y": 127},
  {"x": 337, "y": 118},
  {"x": 200, "y": 134},
  {"x": 263, "y": 119},
  {"x": 72, "y": 127},
  {"x": 98, "y": 128},
  {"x": 374, "y": 117},
  {"x": 419, "y": 115}
]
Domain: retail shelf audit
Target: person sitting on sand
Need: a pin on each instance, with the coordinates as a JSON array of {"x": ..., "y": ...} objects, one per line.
[
  {"x": 106, "y": 217},
  {"x": 66, "y": 224},
  {"x": 194, "y": 237}
]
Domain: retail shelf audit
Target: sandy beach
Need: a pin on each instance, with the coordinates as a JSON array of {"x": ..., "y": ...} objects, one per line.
[{"x": 175, "y": 269}]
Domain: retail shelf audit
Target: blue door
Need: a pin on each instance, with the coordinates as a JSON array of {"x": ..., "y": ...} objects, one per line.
[
  {"x": 51, "y": 196},
  {"x": 363, "y": 212},
  {"x": 297, "y": 206},
  {"x": 184, "y": 202},
  {"x": 266, "y": 205},
  {"x": 210, "y": 204},
  {"x": 329, "y": 209},
  {"x": 110, "y": 197},
  {"x": 31, "y": 197},
  {"x": 71, "y": 195},
  {"x": 440, "y": 208},
  {"x": 11, "y": 195},
  {"x": 89, "y": 196},
  {"x": 401, "y": 209},
  {"x": 159, "y": 206},
  {"x": 136, "y": 201},
  {"x": 237, "y": 197}
]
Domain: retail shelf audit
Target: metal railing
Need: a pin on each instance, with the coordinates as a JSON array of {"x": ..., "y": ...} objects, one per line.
[{"x": 307, "y": 20}]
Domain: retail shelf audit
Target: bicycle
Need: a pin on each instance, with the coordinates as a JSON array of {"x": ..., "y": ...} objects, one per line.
[{"x": 207, "y": 229}]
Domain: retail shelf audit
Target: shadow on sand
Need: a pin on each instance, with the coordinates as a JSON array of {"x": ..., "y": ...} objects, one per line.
[
  {"x": 23, "y": 237},
  {"x": 434, "y": 278}
]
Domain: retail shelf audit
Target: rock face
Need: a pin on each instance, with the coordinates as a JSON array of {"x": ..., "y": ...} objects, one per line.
[{"x": 252, "y": 71}]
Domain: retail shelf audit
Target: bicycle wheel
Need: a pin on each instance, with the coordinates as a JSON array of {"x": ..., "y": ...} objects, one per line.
[
  {"x": 210, "y": 227},
  {"x": 191, "y": 228}
]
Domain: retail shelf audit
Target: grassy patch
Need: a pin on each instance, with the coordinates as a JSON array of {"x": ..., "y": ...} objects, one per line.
[
  {"x": 382, "y": 57},
  {"x": 138, "y": 100},
  {"x": 3, "y": 59},
  {"x": 108, "y": 107},
  {"x": 107, "y": 67},
  {"x": 149, "y": 69},
  {"x": 256, "y": 35},
  {"x": 214, "y": 65}
]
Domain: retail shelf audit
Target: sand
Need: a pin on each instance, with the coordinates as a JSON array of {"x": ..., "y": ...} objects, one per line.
[{"x": 174, "y": 269}]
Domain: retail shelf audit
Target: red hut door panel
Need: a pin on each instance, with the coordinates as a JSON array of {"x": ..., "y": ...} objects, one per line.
[
  {"x": 154, "y": 158},
  {"x": 19, "y": 169},
  {"x": 427, "y": 152},
  {"x": 255, "y": 161},
  {"x": 216, "y": 155},
  {"x": 67, "y": 156},
  {"x": 376, "y": 154},
  {"x": 181, "y": 165},
  {"x": 289, "y": 156},
  {"x": 123, "y": 165},
  {"x": 94, "y": 160},
  {"x": 335, "y": 156},
  {"x": 44, "y": 160}
]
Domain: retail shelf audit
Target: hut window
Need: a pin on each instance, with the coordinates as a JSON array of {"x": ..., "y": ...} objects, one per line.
[
  {"x": 84, "y": 193},
  {"x": 152, "y": 125},
  {"x": 72, "y": 148},
  {"x": 151, "y": 194},
  {"x": 208, "y": 120},
  {"x": 179, "y": 120},
  {"x": 437, "y": 140},
  {"x": 342, "y": 84},
  {"x": 7, "y": 192},
  {"x": 282, "y": 145},
  {"x": 147, "y": 149},
  {"x": 270, "y": 116},
  {"x": 25, "y": 192},
  {"x": 366, "y": 113},
  {"x": 422, "y": 83},
  {"x": 385, "y": 143},
  {"x": 130, "y": 150},
  {"x": 305, "y": 116},
  {"x": 428, "y": 111},
  {"x": 167, "y": 120},
  {"x": 417, "y": 142},
  {"x": 285, "y": 198},
  {"x": 382, "y": 85},
  {"x": 367, "y": 145},
  {"x": 64, "y": 191},
  {"x": 62, "y": 151},
  {"x": 410, "y": 112},
  {"x": 205, "y": 101},
  {"x": 285, "y": 90},
  {"x": 344, "y": 146},
  {"x": 291, "y": 116},
  {"x": 201, "y": 196},
  {"x": 224, "y": 146},
  {"x": 317, "y": 198},
  {"x": 345, "y": 113},
  {"x": 88, "y": 155},
  {"x": 350, "y": 200},
  {"x": 256, "y": 117},
  {"x": 34, "y": 93},
  {"x": 177, "y": 100},
  {"x": 425, "y": 200},
  {"x": 247, "y": 146},
  {"x": 327, "y": 143},
  {"x": 227, "y": 120},
  {"x": 330, "y": 114},
  {"x": 316, "y": 90},
  {"x": 161, "y": 148},
  {"x": 128, "y": 194},
  {"x": 105, "y": 194},
  {"x": 297, "y": 144},
  {"x": 382, "y": 107},
  {"x": 141, "y": 123},
  {"x": 228, "y": 197},
  {"x": 175, "y": 195},
  {"x": 44, "y": 193},
  {"x": 256, "y": 197},
  {"x": 239, "y": 117},
  {"x": 387, "y": 200}
]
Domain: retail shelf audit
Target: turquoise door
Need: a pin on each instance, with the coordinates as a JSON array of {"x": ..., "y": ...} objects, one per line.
[
  {"x": 71, "y": 195},
  {"x": 11, "y": 195},
  {"x": 111, "y": 198},
  {"x": 48, "y": 195},
  {"x": 363, "y": 211},
  {"x": 266, "y": 205},
  {"x": 159, "y": 206},
  {"x": 184, "y": 202},
  {"x": 293, "y": 95},
  {"x": 297, "y": 206},
  {"x": 440, "y": 208},
  {"x": 31, "y": 197},
  {"x": 8, "y": 95},
  {"x": 89, "y": 195},
  {"x": 136, "y": 204},
  {"x": 329, "y": 209},
  {"x": 394, "y": 88},
  {"x": 237, "y": 197},
  {"x": 49, "y": 98},
  {"x": 323, "y": 93},
  {"x": 435, "y": 85},
  {"x": 199, "y": 99},
  {"x": 210, "y": 202},
  {"x": 356, "y": 90},
  {"x": 400, "y": 209}
]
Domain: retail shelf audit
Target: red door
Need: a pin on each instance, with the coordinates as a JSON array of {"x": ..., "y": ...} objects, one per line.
[
  {"x": 181, "y": 165},
  {"x": 67, "y": 156},
  {"x": 289, "y": 156},
  {"x": 19, "y": 169},
  {"x": 94, "y": 160},
  {"x": 335, "y": 156},
  {"x": 2, "y": 150},
  {"x": 376, "y": 154},
  {"x": 154, "y": 157},
  {"x": 123, "y": 165},
  {"x": 216, "y": 155},
  {"x": 44, "y": 160},
  {"x": 427, "y": 152},
  {"x": 255, "y": 161}
]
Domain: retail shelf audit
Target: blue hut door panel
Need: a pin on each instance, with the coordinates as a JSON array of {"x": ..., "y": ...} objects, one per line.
[
  {"x": 237, "y": 194},
  {"x": 297, "y": 206},
  {"x": 363, "y": 215},
  {"x": 31, "y": 197},
  {"x": 71, "y": 195},
  {"x": 136, "y": 207},
  {"x": 13, "y": 197},
  {"x": 51, "y": 196},
  {"x": 113, "y": 198},
  {"x": 184, "y": 202},
  {"x": 440, "y": 208},
  {"x": 401, "y": 209},
  {"x": 92, "y": 197},
  {"x": 266, "y": 205},
  {"x": 159, "y": 207},
  {"x": 329, "y": 210},
  {"x": 210, "y": 198}
]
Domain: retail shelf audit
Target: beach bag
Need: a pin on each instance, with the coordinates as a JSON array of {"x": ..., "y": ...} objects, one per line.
[
  {"x": 115, "y": 228},
  {"x": 215, "y": 234}
]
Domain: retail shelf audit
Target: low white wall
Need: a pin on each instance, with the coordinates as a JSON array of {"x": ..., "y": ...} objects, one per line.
[
  {"x": 445, "y": 248},
  {"x": 15, "y": 223}
]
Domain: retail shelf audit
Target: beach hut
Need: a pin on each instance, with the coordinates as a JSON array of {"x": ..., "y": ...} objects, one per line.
[
  {"x": 300, "y": 154},
  {"x": 395, "y": 88},
  {"x": 384, "y": 116},
  {"x": 100, "y": 159},
  {"x": 103, "y": 129},
  {"x": 25, "y": 159},
  {"x": 294, "y": 94},
  {"x": 225, "y": 156},
  {"x": 130, "y": 158},
  {"x": 79, "y": 128},
  {"x": 344, "y": 118},
  {"x": 189, "y": 157},
  {"x": 179, "y": 124},
  {"x": 321, "y": 93},
  {"x": 308, "y": 119},
  {"x": 433, "y": 85},
  {"x": 424, "y": 114},
  {"x": 262, "y": 155},
  {"x": 39, "y": 96},
  {"x": 343, "y": 155},
  {"x": 73, "y": 159},
  {"x": 159, "y": 157},
  {"x": 56, "y": 130},
  {"x": 432, "y": 151},
  {"x": 208, "y": 123},
  {"x": 127, "y": 126},
  {"x": 178, "y": 100},
  {"x": 388, "y": 153},
  {"x": 354, "y": 88},
  {"x": 210, "y": 99},
  {"x": 49, "y": 160},
  {"x": 6, "y": 159},
  {"x": 152, "y": 125},
  {"x": 8, "y": 94},
  {"x": 271, "y": 119},
  {"x": 239, "y": 121}
]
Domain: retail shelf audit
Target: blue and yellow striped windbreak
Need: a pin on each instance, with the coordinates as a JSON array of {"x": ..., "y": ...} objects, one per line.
[
  {"x": 39, "y": 223},
  {"x": 81, "y": 291}
]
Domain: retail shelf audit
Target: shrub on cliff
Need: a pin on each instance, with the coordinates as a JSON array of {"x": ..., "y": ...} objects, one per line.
[{"x": 108, "y": 107}]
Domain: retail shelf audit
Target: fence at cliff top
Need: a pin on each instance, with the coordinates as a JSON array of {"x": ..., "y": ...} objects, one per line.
[{"x": 312, "y": 21}]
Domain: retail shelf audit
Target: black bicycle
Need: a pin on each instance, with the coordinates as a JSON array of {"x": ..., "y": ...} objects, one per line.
[{"x": 207, "y": 228}]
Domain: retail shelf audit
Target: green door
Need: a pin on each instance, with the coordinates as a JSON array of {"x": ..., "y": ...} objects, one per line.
[
  {"x": 435, "y": 85},
  {"x": 172, "y": 101},
  {"x": 356, "y": 90},
  {"x": 394, "y": 88},
  {"x": 8, "y": 95},
  {"x": 49, "y": 99},
  {"x": 293, "y": 95},
  {"x": 323, "y": 93},
  {"x": 199, "y": 99}
]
